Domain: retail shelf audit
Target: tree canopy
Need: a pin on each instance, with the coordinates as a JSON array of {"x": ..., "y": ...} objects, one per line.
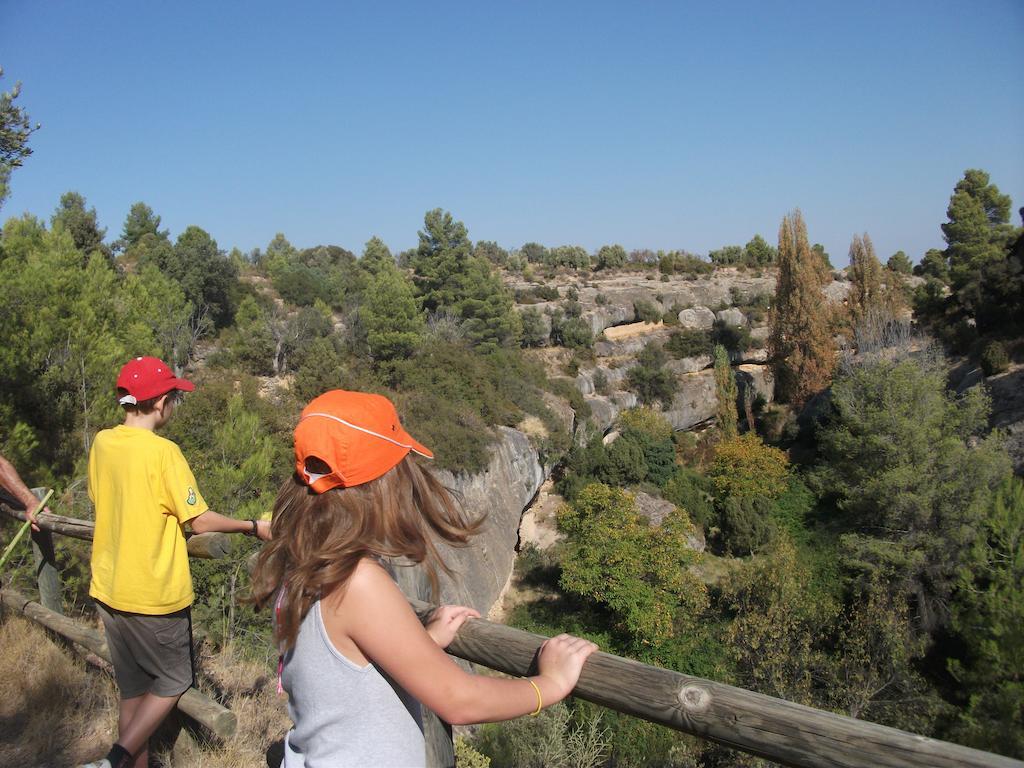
[{"x": 15, "y": 130}]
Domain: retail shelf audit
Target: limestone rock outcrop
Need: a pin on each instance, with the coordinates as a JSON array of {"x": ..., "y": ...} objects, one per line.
[
  {"x": 695, "y": 401},
  {"x": 501, "y": 491},
  {"x": 696, "y": 318}
]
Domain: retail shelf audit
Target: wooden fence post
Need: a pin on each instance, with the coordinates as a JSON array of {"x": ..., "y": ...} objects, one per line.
[{"x": 47, "y": 575}]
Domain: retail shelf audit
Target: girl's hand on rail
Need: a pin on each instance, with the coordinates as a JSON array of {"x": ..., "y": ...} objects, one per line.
[
  {"x": 561, "y": 661},
  {"x": 263, "y": 532},
  {"x": 445, "y": 621}
]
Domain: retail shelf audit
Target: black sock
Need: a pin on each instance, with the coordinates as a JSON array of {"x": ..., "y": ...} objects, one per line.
[{"x": 119, "y": 757}]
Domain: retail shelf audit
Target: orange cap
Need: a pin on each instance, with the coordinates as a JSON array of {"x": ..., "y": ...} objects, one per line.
[{"x": 356, "y": 434}]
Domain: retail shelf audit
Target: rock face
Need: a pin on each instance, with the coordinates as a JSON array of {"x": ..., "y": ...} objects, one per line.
[
  {"x": 757, "y": 377},
  {"x": 690, "y": 364},
  {"x": 514, "y": 475},
  {"x": 1007, "y": 392},
  {"x": 698, "y": 318},
  {"x": 732, "y": 317},
  {"x": 600, "y": 318},
  {"x": 502, "y": 491},
  {"x": 695, "y": 401}
]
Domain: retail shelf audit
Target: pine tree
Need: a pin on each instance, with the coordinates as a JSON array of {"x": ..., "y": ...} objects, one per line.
[
  {"x": 376, "y": 256},
  {"x": 139, "y": 222},
  {"x": 14, "y": 132},
  {"x": 82, "y": 224},
  {"x": 725, "y": 390},
  {"x": 449, "y": 278},
  {"x": 977, "y": 234},
  {"x": 800, "y": 345},
  {"x": 389, "y": 314}
]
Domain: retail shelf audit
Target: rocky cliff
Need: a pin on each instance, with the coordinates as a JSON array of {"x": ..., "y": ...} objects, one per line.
[
  {"x": 514, "y": 475},
  {"x": 611, "y": 305},
  {"x": 501, "y": 492}
]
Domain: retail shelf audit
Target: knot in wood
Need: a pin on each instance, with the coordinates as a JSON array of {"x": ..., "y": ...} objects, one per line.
[{"x": 695, "y": 698}]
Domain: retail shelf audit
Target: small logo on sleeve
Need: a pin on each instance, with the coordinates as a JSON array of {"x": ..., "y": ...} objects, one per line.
[{"x": 191, "y": 500}]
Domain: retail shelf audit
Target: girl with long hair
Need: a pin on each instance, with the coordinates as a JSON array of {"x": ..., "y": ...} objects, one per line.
[{"x": 356, "y": 660}]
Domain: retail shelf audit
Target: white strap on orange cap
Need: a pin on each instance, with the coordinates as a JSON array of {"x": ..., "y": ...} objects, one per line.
[{"x": 361, "y": 429}]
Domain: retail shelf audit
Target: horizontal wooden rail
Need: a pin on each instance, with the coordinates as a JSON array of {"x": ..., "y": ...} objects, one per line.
[
  {"x": 208, "y": 713},
  {"x": 788, "y": 733},
  {"x": 208, "y": 546}
]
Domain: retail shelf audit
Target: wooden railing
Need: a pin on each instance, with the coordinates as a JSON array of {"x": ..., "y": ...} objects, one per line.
[
  {"x": 787, "y": 733},
  {"x": 48, "y": 611},
  {"x": 781, "y": 731}
]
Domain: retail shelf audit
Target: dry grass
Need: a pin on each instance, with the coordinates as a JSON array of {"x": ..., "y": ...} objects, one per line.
[
  {"x": 247, "y": 689},
  {"x": 55, "y": 711}
]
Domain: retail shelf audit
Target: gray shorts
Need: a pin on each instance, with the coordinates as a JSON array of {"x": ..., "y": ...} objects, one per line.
[{"x": 150, "y": 654}]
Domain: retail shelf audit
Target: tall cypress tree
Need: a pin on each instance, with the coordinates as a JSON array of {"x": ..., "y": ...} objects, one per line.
[
  {"x": 865, "y": 277},
  {"x": 725, "y": 390},
  {"x": 801, "y": 347}
]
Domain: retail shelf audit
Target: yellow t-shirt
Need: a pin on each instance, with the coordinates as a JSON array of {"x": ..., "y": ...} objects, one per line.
[{"x": 144, "y": 493}]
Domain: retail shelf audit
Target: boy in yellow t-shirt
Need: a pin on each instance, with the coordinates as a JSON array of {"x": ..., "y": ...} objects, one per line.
[{"x": 144, "y": 494}]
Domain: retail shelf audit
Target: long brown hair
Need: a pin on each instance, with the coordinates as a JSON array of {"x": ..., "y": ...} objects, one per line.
[{"x": 318, "y": 539}]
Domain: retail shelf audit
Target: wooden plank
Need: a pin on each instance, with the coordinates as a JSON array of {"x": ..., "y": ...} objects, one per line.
[
  {"x": 208, "y": 713},
  {"x": 206, "y": 546},
  {"x": 790, "y": 734}
]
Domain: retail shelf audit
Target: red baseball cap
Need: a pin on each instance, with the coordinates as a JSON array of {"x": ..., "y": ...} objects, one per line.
[
  {"x": 144, "y": 378},
  {"x": 356, "y": 434}
]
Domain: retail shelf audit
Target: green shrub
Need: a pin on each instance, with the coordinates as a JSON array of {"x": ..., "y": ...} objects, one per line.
[
  {"x": 555, "y": 738},
  {"x": 689, "y": 342},
  {"x": 535, "y": 333},
  {"x": 747, "y": 524},
  {"x": 536, "y": 293},
  {"x": 652, "y": 385},
  {"x": 792, "y": 508},
  {"x": 646, "y": 311},
  {"x": 994, "y": 359},
  {"x": 651, "y": 382},
  {"x": 322, "y": 369},
  {"x": 467, "y": 757},
  {"x": 449, "y": 396},
  {"x": 735, "y": 338},
  {"x": 691, "y": 491},
  {"x": 572, "y": 332},
  {"x": 746, "y": 467},
  {"x": 640, "y": 573},
  {"x": 646, "y": 421}
]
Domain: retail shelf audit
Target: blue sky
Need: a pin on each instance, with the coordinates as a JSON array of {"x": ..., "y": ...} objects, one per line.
[{"x": 659, "y": 125}]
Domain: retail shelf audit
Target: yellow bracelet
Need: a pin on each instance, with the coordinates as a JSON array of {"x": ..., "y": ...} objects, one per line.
[{"x": 540, "y": 700}]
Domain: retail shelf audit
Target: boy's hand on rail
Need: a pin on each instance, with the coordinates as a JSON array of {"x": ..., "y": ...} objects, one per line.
[
  {"x": 445, "y": 621},
  {"x": 561, "y": 661},
  {"x": 32, "y": 518}
]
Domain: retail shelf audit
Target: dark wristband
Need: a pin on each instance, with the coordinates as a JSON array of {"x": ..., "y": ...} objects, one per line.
[{"x": 254, "y": 527}]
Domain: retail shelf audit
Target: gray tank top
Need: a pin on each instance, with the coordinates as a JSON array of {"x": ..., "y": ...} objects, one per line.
[{"x": 344, "y": 714}]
